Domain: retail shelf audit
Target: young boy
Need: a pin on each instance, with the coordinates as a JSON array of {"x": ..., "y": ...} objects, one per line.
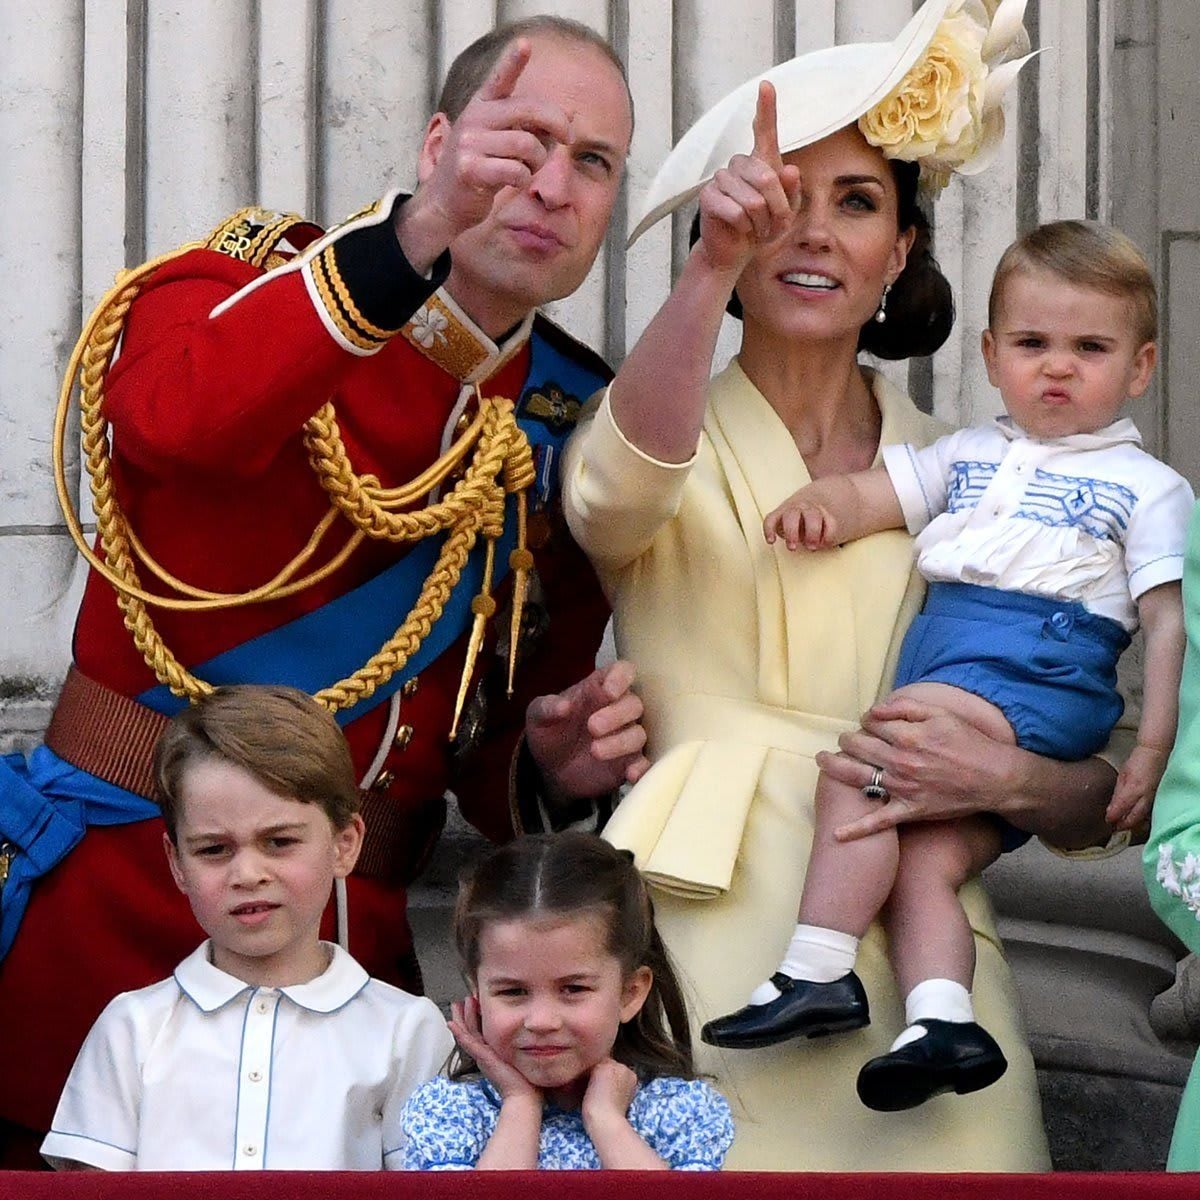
[
  {"x": 268, "y": 1048},
  {"x": 1046, "y": 536}
]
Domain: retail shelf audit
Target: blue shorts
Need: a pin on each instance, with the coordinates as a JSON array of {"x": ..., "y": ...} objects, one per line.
[{"x": 1049, "y": 666}]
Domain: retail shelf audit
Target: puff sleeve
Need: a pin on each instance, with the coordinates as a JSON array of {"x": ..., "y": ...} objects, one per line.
[
  {"x": 447, "y": 1125},
  {"x": 686, "y": 1122}
]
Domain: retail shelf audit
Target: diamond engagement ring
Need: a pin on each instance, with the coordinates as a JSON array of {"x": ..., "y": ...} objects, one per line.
[{"x": 875, "y": 789}]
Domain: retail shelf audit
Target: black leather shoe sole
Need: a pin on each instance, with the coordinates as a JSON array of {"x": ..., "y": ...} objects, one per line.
[
  {"x": 951, "y": 1057},
  {"x": 803, "y": 1009}
]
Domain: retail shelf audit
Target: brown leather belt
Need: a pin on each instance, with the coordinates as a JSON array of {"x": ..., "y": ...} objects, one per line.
[
  {"x": 106, "y": 734},
  {"x": 112, "y": 737}
]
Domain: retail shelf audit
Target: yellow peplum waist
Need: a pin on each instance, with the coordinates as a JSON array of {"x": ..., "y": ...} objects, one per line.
[{"x": 684, "y": 820}]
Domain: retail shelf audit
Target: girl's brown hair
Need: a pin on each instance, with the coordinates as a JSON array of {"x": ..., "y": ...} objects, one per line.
[{"x": 568, "y": 875}]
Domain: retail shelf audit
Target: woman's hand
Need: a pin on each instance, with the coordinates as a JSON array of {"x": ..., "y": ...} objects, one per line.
[
  {"x": 467, "y": 1028},
  {"x": 752, "y": 200},
  {"x": 937, "y": 766}
]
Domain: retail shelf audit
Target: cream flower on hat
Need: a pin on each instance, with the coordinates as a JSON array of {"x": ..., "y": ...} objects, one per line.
[
  {"x": 932, "y": 95},
  {"x": 947, "y": 113}
]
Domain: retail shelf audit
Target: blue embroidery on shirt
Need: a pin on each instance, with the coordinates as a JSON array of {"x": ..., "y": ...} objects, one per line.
[
  {"x": 968, "y": 482},
  {"x": 1099, "y": 507}
]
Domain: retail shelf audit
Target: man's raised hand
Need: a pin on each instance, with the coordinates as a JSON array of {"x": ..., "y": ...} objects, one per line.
[{"x": 499, "y": 140}]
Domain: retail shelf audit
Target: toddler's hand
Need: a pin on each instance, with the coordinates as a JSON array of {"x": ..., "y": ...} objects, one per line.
[
  {"x": 1136, "y": 785},
  {"x": 465, "y": 1024},
  {"x": 610, "y": 1090},
  {"x": 800, "y": 519}
]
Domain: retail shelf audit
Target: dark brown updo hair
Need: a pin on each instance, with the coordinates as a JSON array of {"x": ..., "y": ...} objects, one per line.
[{"x": 920, "y": 306}]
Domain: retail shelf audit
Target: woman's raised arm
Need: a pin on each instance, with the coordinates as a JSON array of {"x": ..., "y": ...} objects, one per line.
[{"x": 657, "y": 398}]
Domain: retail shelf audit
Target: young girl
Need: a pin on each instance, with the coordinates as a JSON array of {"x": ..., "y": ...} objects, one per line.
[
  {"x": 574, "y": 1050},
  {"x": 1046, "y": 536}
]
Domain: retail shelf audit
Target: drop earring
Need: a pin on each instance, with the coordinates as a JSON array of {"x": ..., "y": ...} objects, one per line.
[{"x": 881, "y": 311}]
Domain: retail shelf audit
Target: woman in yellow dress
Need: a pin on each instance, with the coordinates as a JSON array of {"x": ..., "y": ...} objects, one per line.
[{"x": 754, "y": 660}]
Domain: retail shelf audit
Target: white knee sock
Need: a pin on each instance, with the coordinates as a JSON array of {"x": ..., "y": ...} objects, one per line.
[
  {"x": 816, "y": 954},
  {"x": 939, "y": 999}
]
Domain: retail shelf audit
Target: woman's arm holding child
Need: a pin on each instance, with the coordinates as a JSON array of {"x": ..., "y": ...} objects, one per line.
[
  {"x": 836, "y": 509},
  {"x": 1161, "y": 613},
  {"x": 658, "y": 396}
]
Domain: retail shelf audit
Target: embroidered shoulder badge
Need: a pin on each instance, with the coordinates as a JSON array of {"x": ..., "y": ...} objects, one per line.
[
  {"x": 550, "y": 405},
  {"x": 252, "y": 235}
]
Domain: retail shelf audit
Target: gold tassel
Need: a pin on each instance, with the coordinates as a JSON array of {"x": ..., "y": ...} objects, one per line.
[
  {"x": 521, "y": 561},
  {"x": 483, "y": 606}
]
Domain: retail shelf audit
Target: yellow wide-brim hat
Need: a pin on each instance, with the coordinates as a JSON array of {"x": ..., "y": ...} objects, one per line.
[{"x": 826, "y": 90}]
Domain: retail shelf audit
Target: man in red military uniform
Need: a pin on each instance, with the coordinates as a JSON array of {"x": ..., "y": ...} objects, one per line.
[{"x": 405, "y": 319}]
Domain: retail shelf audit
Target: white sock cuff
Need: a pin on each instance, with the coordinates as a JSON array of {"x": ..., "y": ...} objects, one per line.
[
  {"x": 938, "y": 999},
  {"x": 819, "y": 955},
  {"x": 829, "y": 939}
]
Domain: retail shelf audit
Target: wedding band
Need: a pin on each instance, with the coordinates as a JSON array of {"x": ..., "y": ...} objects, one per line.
[{"x": 875, "y": 789}]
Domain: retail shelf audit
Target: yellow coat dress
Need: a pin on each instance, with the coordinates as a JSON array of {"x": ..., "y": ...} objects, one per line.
[{"x": 750, "y": 659}]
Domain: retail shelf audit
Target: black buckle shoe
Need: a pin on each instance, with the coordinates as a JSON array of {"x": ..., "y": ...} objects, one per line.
[
  {"x": 803, "y": 1009},
  {"x": 953, "y": 1056}
]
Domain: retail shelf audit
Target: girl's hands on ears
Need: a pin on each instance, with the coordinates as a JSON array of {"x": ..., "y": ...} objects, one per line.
[
  {"x": 610, "y": 1091},
  {"x": 465, "y": 1024}
]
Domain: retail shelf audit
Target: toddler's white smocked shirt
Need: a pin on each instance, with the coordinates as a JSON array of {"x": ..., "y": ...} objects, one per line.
[{"x": 1091, "y": 517}]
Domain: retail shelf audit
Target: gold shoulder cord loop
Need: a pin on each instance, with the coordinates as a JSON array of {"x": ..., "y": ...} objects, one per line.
[{"x": 497, "y": 461}]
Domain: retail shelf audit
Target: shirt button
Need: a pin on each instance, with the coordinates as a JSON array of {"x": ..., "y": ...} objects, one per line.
[
  {"x": 383, "y": 781},
  {"x": 404, "y": 735},
  {"x": 254, "y": 1076},
  {"x": 249, "y": 1151},
  {"x": 996, "y": 512},
  {"x": 1020, "y": 468},
  {"x": 410, "y": 688},
  {"x": 262, "y": 1006}
]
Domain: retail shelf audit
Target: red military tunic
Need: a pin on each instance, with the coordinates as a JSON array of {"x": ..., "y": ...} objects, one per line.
[{"x": 220, "y": 365}]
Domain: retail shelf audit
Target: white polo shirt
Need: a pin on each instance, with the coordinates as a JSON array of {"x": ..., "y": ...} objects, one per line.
[
  {"x": 1091, "y": 517},
  {"x": 204, "y": 1072}
]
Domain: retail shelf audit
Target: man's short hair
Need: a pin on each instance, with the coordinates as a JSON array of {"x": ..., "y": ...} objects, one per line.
[
  {"x": 471, "y": 68},
  {"x": 1088, "y": 255},
  {"x": 278, "y": 735}
]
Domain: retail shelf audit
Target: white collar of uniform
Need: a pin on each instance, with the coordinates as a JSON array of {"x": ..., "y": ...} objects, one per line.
[
  {"x": 210, "y": 988},
  {"x": 1121, "y": 431}
]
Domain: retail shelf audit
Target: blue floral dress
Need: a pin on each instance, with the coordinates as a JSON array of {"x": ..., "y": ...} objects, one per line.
[{"x": 684, "y": 1121}]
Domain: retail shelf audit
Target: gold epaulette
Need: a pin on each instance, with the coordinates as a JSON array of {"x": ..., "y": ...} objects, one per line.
[{"x": 254, "y": 236}]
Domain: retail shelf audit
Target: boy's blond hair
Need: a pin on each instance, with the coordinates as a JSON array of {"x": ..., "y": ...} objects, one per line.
[
  {"x": 279, "y": 735},
  {"x": 1088, "y": 255}
]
